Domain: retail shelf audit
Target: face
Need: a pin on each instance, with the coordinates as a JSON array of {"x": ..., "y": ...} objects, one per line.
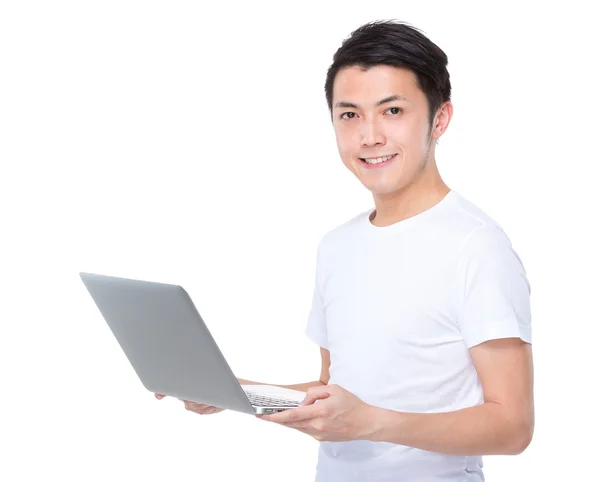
[{"x": 365, "y": 128}]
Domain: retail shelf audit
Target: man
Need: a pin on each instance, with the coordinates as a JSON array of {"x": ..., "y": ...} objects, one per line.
[{"x": 421, "y": 305}]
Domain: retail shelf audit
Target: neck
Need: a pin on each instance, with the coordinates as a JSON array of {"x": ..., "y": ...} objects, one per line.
[{"x": 425, "y": 192}]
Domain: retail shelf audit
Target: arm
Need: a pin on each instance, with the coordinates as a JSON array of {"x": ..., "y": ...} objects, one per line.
[
  {"x": 503, "y": 424},
  {"x": 303, "y": 387}
]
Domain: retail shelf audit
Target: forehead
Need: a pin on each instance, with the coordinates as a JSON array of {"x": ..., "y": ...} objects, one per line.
[{"x": 352, "y": 83}]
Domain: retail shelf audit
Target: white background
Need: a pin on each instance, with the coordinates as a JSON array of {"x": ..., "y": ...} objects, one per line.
[{"x": 191, "y": 144}]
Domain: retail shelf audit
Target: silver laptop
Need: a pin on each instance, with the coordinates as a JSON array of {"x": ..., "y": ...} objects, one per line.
[{"x": 171, "y": 350}]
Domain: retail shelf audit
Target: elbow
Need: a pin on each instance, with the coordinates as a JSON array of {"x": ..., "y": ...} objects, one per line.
[{"x": 521, "y": 438}]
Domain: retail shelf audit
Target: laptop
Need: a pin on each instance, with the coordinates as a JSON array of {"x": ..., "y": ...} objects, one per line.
[{"x": 171, "y": 349}]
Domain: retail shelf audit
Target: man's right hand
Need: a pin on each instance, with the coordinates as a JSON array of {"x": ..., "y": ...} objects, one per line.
[{"x": 198, "y": 408}]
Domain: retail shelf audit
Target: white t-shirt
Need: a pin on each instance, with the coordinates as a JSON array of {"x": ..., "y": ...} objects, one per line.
[{"x": 398, "y": 307}]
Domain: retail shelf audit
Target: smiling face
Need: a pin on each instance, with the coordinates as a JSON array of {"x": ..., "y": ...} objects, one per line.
[{"x": 382, "y": 112}]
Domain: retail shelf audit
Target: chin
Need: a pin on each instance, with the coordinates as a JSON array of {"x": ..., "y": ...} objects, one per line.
[{"x": 383, "y": 190}]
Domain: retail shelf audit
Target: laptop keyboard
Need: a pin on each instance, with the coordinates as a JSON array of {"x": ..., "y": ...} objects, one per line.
[{"x": 262, "y": 401}]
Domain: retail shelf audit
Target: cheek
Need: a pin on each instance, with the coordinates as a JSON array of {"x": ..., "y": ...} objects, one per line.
[
  {"x": 346, "y": 148},
  {"x": 410, "y": 146},
  {"x": 348, "y": 161},
  {"x": 345, "y": 141}
]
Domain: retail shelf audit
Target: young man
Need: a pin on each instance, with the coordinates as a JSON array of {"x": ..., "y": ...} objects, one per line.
[{"x": 421, "y": 305}]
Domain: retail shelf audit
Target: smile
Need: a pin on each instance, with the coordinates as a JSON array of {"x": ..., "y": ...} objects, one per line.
[{"x": 377, "y": 162}]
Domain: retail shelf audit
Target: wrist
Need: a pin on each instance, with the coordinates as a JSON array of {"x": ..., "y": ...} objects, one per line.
[{"x": 380, "y": 422}]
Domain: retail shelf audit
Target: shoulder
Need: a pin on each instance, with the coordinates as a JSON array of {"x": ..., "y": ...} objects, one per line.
[
  {"x": 344, "y": 232},
  {"x": 474, "y": 229}
]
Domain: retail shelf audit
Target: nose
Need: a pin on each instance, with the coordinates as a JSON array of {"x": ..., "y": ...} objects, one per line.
[{"x": 371, "y": 134}]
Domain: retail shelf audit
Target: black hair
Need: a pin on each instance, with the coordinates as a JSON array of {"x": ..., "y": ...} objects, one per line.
[{"x": 398, "y": 44}]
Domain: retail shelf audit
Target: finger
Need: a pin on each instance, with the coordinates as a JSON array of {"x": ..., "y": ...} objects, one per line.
[
  {"x": 215, "y": 410},
  {"x": 293, "y": 415},
  {"x": 201, "y": 408},
  {"x": 189, "y": 402},
  {"x": 313, "y": 396},
  {"x": 304, "y": 427},
  {"x": 193, "y": 405}
]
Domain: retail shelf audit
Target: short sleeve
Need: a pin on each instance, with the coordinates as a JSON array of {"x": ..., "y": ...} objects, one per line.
[
  {"x": 494, "y": 291},
  {"x": 316, "y": 327}
]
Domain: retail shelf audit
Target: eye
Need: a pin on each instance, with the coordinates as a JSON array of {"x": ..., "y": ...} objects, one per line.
[
  {"x": 398, "y": 108},
  {"x": 354, "y": 113}
]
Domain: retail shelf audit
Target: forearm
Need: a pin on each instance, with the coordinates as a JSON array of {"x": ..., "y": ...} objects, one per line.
[
  {"x": 479, "y": 430},
  {"x": 303, "y": 387}
]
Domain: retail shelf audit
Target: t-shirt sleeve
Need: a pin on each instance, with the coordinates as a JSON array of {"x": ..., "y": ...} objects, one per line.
[
  {"x": 494, "y": 291},
  {"x": 316, "y": 327}
]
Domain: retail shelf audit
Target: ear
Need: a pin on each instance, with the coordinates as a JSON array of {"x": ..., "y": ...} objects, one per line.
[{"x": 442, "y": 120}]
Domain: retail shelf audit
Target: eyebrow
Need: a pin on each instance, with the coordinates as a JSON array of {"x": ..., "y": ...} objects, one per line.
[{"x": 381, "y": 102}]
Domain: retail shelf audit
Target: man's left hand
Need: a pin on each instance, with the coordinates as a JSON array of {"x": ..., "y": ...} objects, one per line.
[{"x": 329, "y": 413}]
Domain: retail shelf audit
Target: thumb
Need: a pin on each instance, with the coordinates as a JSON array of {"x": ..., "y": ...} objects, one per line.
[{"x": 314, "y": 395}]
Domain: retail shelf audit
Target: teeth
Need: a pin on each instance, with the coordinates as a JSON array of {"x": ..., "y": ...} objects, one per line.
[{"x": 378, "y": 159}]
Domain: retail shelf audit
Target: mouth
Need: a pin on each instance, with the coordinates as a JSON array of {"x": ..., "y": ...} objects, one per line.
[{"x": 378, "y": 162}]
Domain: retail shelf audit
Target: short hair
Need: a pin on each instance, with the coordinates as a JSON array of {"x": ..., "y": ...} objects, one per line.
[{"x": 398, "y": 44}]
